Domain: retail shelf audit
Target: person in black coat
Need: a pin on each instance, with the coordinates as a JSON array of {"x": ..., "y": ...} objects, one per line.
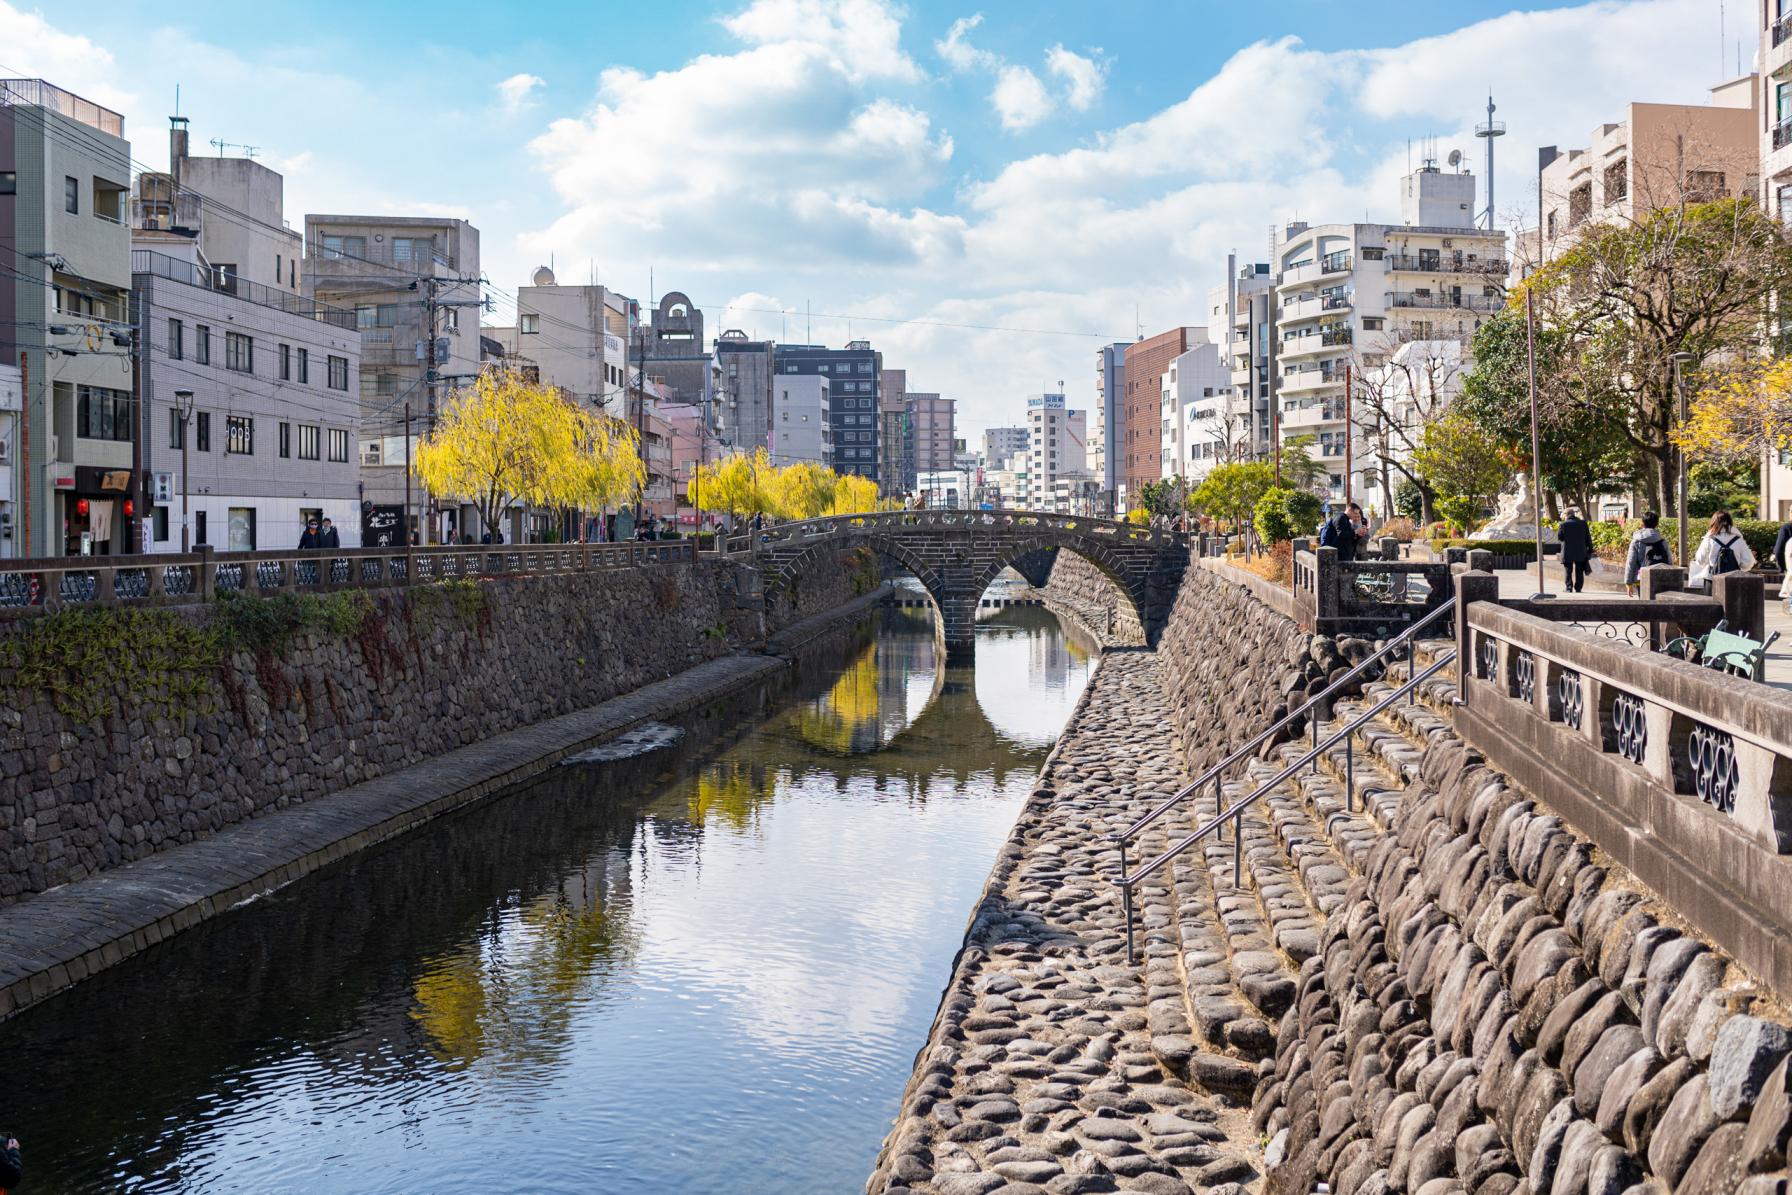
[
  {"x": 12, "y": 1168},
  {"x": 1577, "y": 549},
  {"x": 1781, "y": 542},
  {"x": 312, "y": 539},
  {"x": 329, "y": 538},
  {"x": 1344, "y": 534}
]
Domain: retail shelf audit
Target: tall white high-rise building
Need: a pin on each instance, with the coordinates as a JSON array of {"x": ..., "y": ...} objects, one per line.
[{"x": 1057, "y": 446}]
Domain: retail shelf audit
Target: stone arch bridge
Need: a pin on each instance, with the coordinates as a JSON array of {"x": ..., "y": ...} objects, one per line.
[{"x": 957, "y": 553}]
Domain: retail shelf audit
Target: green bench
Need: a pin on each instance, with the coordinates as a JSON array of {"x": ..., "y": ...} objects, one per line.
[{"x": 1723, "y": 650}]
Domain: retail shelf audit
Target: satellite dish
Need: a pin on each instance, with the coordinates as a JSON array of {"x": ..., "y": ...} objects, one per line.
[{"x": 1455, "y": 158}]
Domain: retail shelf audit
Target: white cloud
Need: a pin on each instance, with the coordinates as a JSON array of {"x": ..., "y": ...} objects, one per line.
[
  {"x": 30, "y": 47},
  {"x": 960, "y": 54},
  {"x": 1084, "y": 78},
  {"x": 1020, "y": 99},
  {"x": 516, "y": 92},
  {"x": 863, "y": 38}
]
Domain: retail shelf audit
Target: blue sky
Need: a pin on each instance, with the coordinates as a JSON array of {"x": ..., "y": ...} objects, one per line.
[{"x": 1055, "y": 167}]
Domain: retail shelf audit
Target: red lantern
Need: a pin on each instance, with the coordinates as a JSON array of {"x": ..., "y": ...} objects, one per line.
[
  {"x": 81, "y": 507},
  {"x": 129, "y": 508}
]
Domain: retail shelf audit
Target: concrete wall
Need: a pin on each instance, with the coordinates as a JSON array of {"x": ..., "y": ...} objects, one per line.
[{"x": 428, "y": 670}]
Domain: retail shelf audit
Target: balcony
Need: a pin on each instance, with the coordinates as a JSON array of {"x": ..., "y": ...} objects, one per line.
[
  {"x": 1782, "y": 133},
  {"x": 1450, "y": 302},
  {"x": 160, "y": 265},
  {"x": 1311, "y": 379},
  {"x": 1325, "y": 267},
  {"x": 1308, "y": 416},
  {"x": 1426, "y": 264},
  {"x": 1781, "y": 30},
  {"x": 35, "y": 93}
]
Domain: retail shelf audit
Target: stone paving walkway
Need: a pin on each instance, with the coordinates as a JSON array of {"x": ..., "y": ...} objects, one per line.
[
  {"x": 1041, "y": 1072},
  {"x": 59, "y": 937}
]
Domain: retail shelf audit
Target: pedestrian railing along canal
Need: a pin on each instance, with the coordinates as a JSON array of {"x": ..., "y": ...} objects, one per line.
[
  {"x": 58, "y": 582},
  {"x": 1402, "y": 644}
]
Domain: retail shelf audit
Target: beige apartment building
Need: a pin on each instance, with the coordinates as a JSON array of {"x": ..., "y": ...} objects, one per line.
[
  {"x": 1655, "y": 156},
  {"x": 413, "y": 284}
]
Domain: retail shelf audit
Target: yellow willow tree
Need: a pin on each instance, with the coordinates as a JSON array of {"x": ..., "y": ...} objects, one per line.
[
  {"x": 804, "y": 490},
  {"x": 505, "y": 441},
  {"x": 853, "y": 495},
  {"x": 740, "y": 484}
]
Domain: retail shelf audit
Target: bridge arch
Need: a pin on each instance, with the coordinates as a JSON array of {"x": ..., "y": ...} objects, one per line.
[{"x": 956, "y": 554}]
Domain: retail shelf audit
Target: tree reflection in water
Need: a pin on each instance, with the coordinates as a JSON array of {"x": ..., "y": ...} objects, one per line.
[{"x": 484, "y": 961}]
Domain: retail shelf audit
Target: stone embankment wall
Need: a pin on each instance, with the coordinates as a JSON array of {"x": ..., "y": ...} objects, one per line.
[
  {"x": 1081, "y": 591},
  {"x": 1496, "y": 1009},
  {"x": 124, "y": 733}
]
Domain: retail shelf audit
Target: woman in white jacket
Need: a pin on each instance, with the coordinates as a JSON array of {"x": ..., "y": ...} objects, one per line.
[{"x": 1723, "y": 550}]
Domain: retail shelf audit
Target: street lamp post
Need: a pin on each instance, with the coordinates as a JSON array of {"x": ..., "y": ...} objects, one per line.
[
  {"x": 1679, "y": 360},
  {"x": 183, "y": 406}
]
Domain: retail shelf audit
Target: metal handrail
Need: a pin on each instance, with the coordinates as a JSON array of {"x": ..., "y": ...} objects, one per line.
[
  {"x": 1235, "y": 812},
  {"x": 1213, "y": 773}
]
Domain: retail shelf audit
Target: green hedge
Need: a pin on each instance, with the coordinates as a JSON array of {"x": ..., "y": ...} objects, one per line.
[
  {"x": 1611, "y": 539},
  {"x": 1499, "y": 547}
]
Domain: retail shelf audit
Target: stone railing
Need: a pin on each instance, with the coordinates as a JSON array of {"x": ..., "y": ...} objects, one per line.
[
  {"x": 912, "y": 521},
  {"x": 1681, "y": 774},
  {"x": 1364, "y": 596},
  {"x": 55, "y": 582}
]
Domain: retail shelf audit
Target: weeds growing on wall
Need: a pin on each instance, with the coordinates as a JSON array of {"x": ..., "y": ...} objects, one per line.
[
  {"x": 860, "y": 565},
  {"x": 88, "y": 661},
  {"x": 263, "y": 626},
  {"x": 465, "y": 600}
]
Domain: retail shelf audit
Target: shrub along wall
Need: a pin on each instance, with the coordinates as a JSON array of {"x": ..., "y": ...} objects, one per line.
[{"x": 125, "y": 732}]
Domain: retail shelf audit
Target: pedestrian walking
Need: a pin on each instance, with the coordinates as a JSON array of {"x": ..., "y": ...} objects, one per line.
[
  {"x": 1781, "y": 543},
  {"x": 329, "y": 539},
  {"x": 1723, "y": 550},
  {"x": 1576, "y": 539},
  {"x": 12, "y": 1167},
  {"x": 1340, "y": 532},
  {"x": 312, "y": 539},
  {"x": 1647, "y": 546}
]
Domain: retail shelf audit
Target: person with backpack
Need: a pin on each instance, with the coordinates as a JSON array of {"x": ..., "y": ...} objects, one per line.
[
  {"x": 1723, "y": 550},
  {"x": 1340, "y": 532},
  {"x": 1647, "y": 546}
]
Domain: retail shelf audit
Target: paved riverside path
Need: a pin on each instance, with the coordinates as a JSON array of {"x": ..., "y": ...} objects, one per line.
[
  {"x": 1039, "y": 1073},
  {"x": 61, "y": 936}
]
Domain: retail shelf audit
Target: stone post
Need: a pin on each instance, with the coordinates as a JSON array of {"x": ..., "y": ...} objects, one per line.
[
  {"x": 207, "y": 568},
  {"x": 1326, "y": 582},
  {"x": 1472, "y": 586},
  {"x": 1480, "y": 560},
  {"x": 1658, "y": 579},
  {"x": 1744, "y": 599},
  {"x": 1390, "y": 548},
  {"x": 1455, "y": 555}
]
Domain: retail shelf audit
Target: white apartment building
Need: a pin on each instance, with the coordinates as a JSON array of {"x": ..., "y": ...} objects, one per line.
[
  {"x": 801, "y": 430},
  {"x": 576, "y": 337},
  {"x": 945, "y": 489},
  {"x": 65, "y": 177},
  {"x": 1199, "y": 428},
  {"x": 1347, "y": 296},
  {"x": 1394, "y": 401},
  {"x": 1000, "y": 443},
  {"x": 1240, "y": 309},
  {"x": 1057, "y": 445},
  {"x": 1105, "y": 463}
]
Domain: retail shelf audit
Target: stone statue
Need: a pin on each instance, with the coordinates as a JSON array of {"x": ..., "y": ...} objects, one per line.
[{"x": 1516, "y": 517}]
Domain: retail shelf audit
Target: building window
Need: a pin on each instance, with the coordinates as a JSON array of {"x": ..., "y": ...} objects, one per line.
[
  {"x": 1783, "y": 203},
  {"x": 102, "y": 414},
  {"x": 286, "y": 439},
  {"x": 224, "y": 277},
  {"x": 338, "y": 373},
  {"x": 202, "y": 344},
  {"x": 341, "y": 246},
  {"x": 339, "y": 444},
  {"x": 1702, "y": 186},
  {"x": 176, "y": 340},
  {"x": 286, "y": 363},
  {"x": 1617, "y": 180},
  {"x": 202, "y": 432},
  {"x": 304, "y": 367},
  {"x": 71, "y": 195},
  {"x": 239, "y": 529},
  {"x": 177, "y": 429},
  {"x": 239, "y": 435},
  {"x": 9, "y": 182},
  {"x": 308, "y": 441},
  {"x": 158, "y": 518},
  {"x": 239, "y": 352},
  {"x": 528, "y": 323},
  {"x": 198, "y": 527}
]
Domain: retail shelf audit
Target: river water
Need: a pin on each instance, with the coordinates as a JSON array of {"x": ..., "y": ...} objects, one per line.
[{"x": 703, "y": 969}]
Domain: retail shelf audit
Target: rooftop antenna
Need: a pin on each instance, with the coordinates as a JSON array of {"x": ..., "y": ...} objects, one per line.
[
  {"x": 249, "y": 151},
  {"x": 1492, "y": 129}
]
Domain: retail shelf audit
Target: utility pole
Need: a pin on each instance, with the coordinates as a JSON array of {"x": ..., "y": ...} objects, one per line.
[
  {"x": 429, "y": 385},
  {"x": 406, "y": 530}
]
